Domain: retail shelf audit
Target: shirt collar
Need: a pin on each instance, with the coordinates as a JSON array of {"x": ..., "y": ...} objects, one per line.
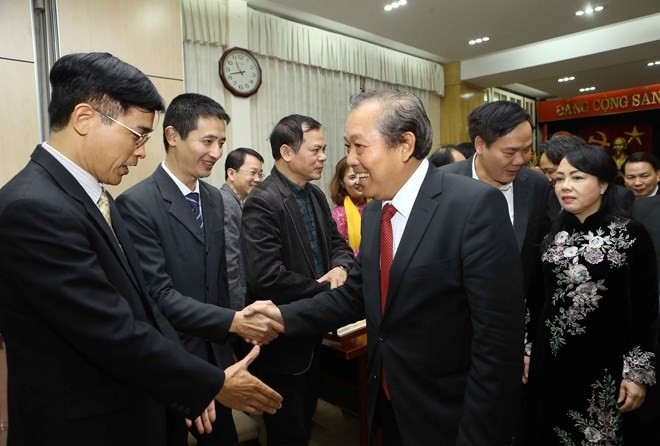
[
  {"x": 185, "y": 190},
  {"x": 404, "y": 200},
  {"x": 90, "y": 184},
  {"x": 503, "y": 188}
]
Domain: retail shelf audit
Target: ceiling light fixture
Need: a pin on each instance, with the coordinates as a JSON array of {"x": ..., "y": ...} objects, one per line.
[
  {"x": 589, "y": 10},
  {"x": 395, "y": 5},
  {"x": 583, "y": 90},
  {"x": 566, "y": 79},
  {"x": 653, "y": 64},
  {"x": 479, "y": 40}
]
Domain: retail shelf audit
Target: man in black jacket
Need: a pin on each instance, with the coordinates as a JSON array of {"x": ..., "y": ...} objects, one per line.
[{"x": 293, "y": 250}]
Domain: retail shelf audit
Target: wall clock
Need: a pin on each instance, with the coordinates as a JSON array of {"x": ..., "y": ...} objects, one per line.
[{"x": 240, "y": 72}]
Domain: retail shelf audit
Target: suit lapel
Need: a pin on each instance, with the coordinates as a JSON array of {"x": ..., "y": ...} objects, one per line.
[
  {"x": 370, "y": 256},
  {"x": 71, "y": 186},
  {"x": 291, "y": 206},
  {"x": 176, "y": 203},
  {"x": 521, "y": 206},
  {"x": 418, "y": 222}
]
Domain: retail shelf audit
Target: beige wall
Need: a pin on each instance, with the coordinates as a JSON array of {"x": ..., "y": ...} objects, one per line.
[
  {"x": 145, "y": 33},
  {"x": 459, "y": 101},
  {"x": 19, "y": 127}
]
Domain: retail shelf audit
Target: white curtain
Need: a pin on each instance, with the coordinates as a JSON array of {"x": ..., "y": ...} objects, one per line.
[
  {"x": 305, "y": 70},
  {"x": 291, "y": 88},
  {"x": 204, "y": 34},
  {"x": 275, "y": 37}
]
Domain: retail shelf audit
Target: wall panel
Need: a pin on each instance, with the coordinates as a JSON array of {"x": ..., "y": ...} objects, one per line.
[
  {"x": 145, "y": 33},
  {"x": 15, "y": 30}
]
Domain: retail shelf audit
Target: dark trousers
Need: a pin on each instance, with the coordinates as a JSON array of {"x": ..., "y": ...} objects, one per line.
[
  {"x": 223, "y": 434},
  {"x": 385, "y": 425},
  {"x": 291, "y": 425}
]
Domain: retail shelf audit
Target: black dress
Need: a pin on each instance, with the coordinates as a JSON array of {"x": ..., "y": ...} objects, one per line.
[{"x": 592, "y": 322}]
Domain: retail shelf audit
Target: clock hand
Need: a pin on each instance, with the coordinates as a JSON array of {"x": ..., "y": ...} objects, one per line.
[{"x": 239, "y": 72}]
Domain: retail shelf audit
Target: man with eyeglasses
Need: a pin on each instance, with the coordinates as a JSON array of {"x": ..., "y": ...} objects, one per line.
[
  {"x": 91, "y": 358},
  {"x": 176, "y": 221},
  {"x": 243, "y": 171}
]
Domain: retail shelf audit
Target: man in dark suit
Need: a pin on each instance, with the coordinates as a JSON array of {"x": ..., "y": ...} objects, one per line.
[
  {"x": 502, "y": 135},
  {"x": 445, "y": 322},
  {"x": 641, "y": 174},
  {"x": 294, "y": 251},
  {"x": 91, "y": 359},
  {"x": 646, "y": 429},
  {"x": 243, "y": 172},
  {"x": 176, "y": 223}
]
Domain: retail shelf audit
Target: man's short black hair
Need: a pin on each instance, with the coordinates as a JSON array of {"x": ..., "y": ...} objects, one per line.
[
  {"x": 641, "y": 157},
  {"x": 185, "y": 110},
  {"x": 291, "y": 131},
  {"x": 236, "y": 158},
  {"x": 493, "y": 120},
  {"x": 105, "y": 82},
  {"x": 556, "y": 147}
]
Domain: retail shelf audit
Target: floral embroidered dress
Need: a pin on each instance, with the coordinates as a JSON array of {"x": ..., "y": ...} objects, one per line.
[{"x": 593, "y": 328}]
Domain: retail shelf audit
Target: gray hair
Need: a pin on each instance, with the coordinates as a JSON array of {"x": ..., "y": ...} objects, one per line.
[{"x": 401, "y": 112}]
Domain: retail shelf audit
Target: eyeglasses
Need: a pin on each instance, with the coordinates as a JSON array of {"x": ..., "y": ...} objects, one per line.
[
  {"x": 141, "y": 138},
  {"x": 253, "y": 173}
]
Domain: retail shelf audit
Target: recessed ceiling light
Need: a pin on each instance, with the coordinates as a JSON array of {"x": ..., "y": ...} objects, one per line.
[
  {"x": 582, "y": 90},
  {"x": 395, "y": 5},
  {"x": 653, "y": 64},
  {"x": 479, "y": 40},
  {"x": 589, "y": 10},
  {"x": 566, "y": 79}
]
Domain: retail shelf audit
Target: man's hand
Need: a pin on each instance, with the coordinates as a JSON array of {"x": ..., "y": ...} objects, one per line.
[
  {"x": 631, "y": 395},
  {"x": 525, "y": 376},
  {"x": 204, "y": 421},
  {"x": 335, "y": 277},
  {"x": 263, "y": 308},
  {"x": 258, "y": 328},
  {"x": 243, "y": 391}
]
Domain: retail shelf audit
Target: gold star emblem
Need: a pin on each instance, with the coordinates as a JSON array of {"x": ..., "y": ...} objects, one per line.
[{"x": 635, "y": 135}]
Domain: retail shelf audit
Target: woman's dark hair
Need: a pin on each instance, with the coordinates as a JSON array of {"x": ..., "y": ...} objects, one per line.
[
  {"x": 337, "y": 190},
  {"x": 595, "y": 161}
]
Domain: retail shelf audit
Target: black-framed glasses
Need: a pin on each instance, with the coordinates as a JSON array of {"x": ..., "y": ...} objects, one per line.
[
  {"x": 141, "y": 138},
  {"x": 253, "y": 173}
]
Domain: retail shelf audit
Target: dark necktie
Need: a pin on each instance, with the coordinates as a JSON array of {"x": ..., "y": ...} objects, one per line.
[
  {"x": 386, "y": 254},
  {"x": 193, "y": 200}
]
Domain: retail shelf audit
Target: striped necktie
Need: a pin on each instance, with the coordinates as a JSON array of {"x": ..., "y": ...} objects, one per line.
[{"x": 193, "y": 200}]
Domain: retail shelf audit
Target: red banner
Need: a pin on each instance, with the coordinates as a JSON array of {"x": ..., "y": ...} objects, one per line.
[{"x": 611, "y": 102}]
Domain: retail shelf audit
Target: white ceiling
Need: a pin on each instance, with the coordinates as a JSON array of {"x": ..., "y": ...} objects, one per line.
[{"x": 532, "y": 42}]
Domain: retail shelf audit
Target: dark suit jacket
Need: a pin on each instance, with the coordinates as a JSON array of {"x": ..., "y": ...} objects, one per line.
[
  {"x": 451, "y": 335},
  {"x": 91, "y": 359},
  {"x": 647, "y": 212},
  {"x": 184, "y": 267},
  {"x": 235, "y": 267},
  {"x": 530, "y": 215},
  {"x": 280, "y": 262}
]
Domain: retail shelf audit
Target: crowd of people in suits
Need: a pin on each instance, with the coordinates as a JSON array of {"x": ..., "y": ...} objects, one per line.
[{"x": 503, "y": 307}]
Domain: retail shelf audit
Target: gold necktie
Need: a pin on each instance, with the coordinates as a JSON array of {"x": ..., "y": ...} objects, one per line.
[{"x": 104, "y": 207}]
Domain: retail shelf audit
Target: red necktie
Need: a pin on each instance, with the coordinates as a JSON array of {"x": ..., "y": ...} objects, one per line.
[{"x": 386, "y": 254}]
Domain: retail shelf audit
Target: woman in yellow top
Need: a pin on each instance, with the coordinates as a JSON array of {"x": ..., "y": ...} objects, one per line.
[{"x": 346, "y": 193}]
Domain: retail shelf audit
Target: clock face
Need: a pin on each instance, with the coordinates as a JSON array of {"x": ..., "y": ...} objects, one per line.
[{"x": 240, "y": 72}]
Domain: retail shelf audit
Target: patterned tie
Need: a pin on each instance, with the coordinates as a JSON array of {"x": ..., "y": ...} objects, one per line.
[
  {"x": 386, "y": 254},
  {"x": 193, "y": 201},
  {"x": 104, "y": 206}
]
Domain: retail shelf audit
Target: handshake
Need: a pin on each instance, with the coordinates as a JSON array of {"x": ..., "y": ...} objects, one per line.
[{"x": 258, "y": 323}]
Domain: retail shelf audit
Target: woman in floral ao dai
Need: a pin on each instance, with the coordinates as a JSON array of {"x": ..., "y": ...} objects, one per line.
[{"x": 589, "y": 327}]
